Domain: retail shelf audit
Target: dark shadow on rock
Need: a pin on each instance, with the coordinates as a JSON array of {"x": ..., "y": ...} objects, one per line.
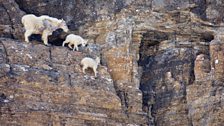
[{"x": 56, "y": 39}]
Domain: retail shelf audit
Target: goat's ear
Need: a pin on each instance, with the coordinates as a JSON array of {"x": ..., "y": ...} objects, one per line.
[
  {"x": 61, "y": 21},
  {"x": 97, "y": 57}
]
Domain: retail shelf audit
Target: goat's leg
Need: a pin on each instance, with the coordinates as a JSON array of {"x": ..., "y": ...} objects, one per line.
[
  {"x": 76, "y": 47},
  {"x": 27, "y": 34},
  {"x": 65, "y": 43},
  {"x": 95, "y": 71},
  {"x": 45, "y": 36},
  {"x": 70, "y": 45}
]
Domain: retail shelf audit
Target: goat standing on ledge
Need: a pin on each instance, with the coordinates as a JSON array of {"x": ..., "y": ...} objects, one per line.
[
  {"x": 74, "y": 40},
  {"x": 43, "y": 25},
  {"x": 90, "y": 63}
]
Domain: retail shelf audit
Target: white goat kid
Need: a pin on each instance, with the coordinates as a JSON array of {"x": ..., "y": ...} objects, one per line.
[
  {"x": 74, "y": 40},
  {"x": 44, "y": 25},
  {"x": 90, "y": 63}
]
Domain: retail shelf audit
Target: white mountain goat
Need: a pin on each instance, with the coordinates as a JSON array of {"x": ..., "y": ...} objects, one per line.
[
  {"x": 44, "y": 25},
  {"x": 74, "y": 40},
  {"x": 90, "y": 63}
]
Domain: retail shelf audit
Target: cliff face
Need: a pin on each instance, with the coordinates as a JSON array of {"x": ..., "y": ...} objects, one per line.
[{"x": 162, "y": 64}]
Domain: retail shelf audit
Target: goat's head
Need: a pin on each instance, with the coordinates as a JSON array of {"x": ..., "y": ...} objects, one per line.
[
  {"x": 97, "y": 60},
  {"x": 84, "y": 43},
  {"x": 62, "y": 25}
]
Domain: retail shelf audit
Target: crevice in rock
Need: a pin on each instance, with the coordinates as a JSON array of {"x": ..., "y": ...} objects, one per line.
[
  {"x": 189, "y": 117},
  {"x": 11, "y": 73},
  {"x": 19, "y": 3},
  {"x": 191, "y": 81},
  {"x": 50, "y": 57},
  {"x": 69, "y": 80},
  {"x": 123, "y": 97},
  {"x": 6, "y": 53},
  {"x": 192, "y": 75},
  {"x": 148, "y": 49}
]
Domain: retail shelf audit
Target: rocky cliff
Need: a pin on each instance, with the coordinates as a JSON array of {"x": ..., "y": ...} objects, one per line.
[{"x": 162, "y": 64}]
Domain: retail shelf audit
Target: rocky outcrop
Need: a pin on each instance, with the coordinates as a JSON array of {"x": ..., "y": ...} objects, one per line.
[
  {"x": 11, "y": 19},
  {"x": 162, "y": 64},
  {"x": 46, "y": 86}
]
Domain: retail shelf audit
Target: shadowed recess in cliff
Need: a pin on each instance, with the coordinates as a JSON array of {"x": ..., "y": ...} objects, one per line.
[
  {"x": 148, "y": 50},
  {"x": 206, "y": 37},
  {"x": 167, "y": 70},
  {"x": 150, "y": 45},
  {"x": 56, "y": 39}
]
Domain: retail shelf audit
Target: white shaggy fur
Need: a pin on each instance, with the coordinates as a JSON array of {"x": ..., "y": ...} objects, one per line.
[
  {"x": 44, "y": 25},
  {"x": 74, "y": 40},
  {"x": 90, "y": 63},
  {"x": 54, "y": 22}
]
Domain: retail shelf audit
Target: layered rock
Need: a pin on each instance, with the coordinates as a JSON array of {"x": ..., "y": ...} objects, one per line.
[{"x": 45, "y": 86}]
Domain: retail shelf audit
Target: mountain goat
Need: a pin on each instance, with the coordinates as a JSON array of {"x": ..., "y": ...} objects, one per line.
[
  {"x": 74, "y": 40},
  {"x": 44, "y": 25},
  {"x": 90, "y": 63}
]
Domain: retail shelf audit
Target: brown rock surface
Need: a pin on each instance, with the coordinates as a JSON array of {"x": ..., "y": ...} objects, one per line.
[
  {"x": 46, "y": 87},
  {"x": 162, "y": 64}
]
